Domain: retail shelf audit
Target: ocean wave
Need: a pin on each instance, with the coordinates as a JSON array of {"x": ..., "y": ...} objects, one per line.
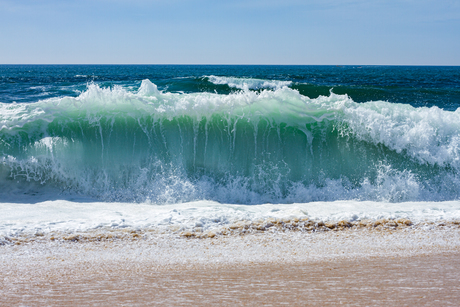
[{"x": 273, "y": 145}]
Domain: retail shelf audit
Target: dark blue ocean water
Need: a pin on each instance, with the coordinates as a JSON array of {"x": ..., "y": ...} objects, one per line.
[
  {"x": 234, "y": 134},
  {"x": 414, "y": 85}
]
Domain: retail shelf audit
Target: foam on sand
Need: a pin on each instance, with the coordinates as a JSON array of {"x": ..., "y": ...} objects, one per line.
[{"x": 78, "y": 220}]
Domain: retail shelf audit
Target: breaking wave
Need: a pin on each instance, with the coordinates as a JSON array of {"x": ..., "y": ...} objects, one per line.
[{"x": 267, "y": 146}]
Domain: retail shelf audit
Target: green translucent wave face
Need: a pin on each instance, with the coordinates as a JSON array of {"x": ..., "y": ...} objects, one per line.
[{"x": 125, "y": 157}]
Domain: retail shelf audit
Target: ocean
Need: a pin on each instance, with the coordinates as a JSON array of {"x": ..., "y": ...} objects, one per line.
[{"x": 198, "y": 147}]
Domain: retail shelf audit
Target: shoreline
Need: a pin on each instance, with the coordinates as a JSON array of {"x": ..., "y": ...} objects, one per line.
[
  {"x": 77, "y": 220},
  {"x": 270, "y": 226},
  {"x": 364, "y": 267}
]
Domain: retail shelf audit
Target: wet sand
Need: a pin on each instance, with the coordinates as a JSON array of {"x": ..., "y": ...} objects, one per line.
[{"x": 404, "y": 268}]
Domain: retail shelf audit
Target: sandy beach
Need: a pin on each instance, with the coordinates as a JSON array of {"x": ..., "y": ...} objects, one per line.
[{"x": 352, "y": 267}]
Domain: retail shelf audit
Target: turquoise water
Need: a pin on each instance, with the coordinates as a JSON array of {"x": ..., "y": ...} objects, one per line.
[{"x": 232, "y": 134}]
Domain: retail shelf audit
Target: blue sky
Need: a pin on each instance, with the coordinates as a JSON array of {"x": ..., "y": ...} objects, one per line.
[{"x": 392, "y": 32}]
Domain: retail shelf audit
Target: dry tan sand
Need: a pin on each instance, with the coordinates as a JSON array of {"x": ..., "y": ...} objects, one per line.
[{"x": 406, "y": 268}]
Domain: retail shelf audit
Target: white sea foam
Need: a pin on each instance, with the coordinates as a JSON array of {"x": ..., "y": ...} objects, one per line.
[
  {"x": 248, "y": 83},
  {"x": 69, "y": 217},
  {"x": 430, "y": 135}
]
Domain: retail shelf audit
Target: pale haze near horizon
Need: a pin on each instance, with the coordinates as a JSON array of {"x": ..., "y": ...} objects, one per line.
[{"x": 329, "y": 32}]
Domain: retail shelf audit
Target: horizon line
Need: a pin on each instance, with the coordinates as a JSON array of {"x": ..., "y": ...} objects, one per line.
[{"x": 337, "y": 65}]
